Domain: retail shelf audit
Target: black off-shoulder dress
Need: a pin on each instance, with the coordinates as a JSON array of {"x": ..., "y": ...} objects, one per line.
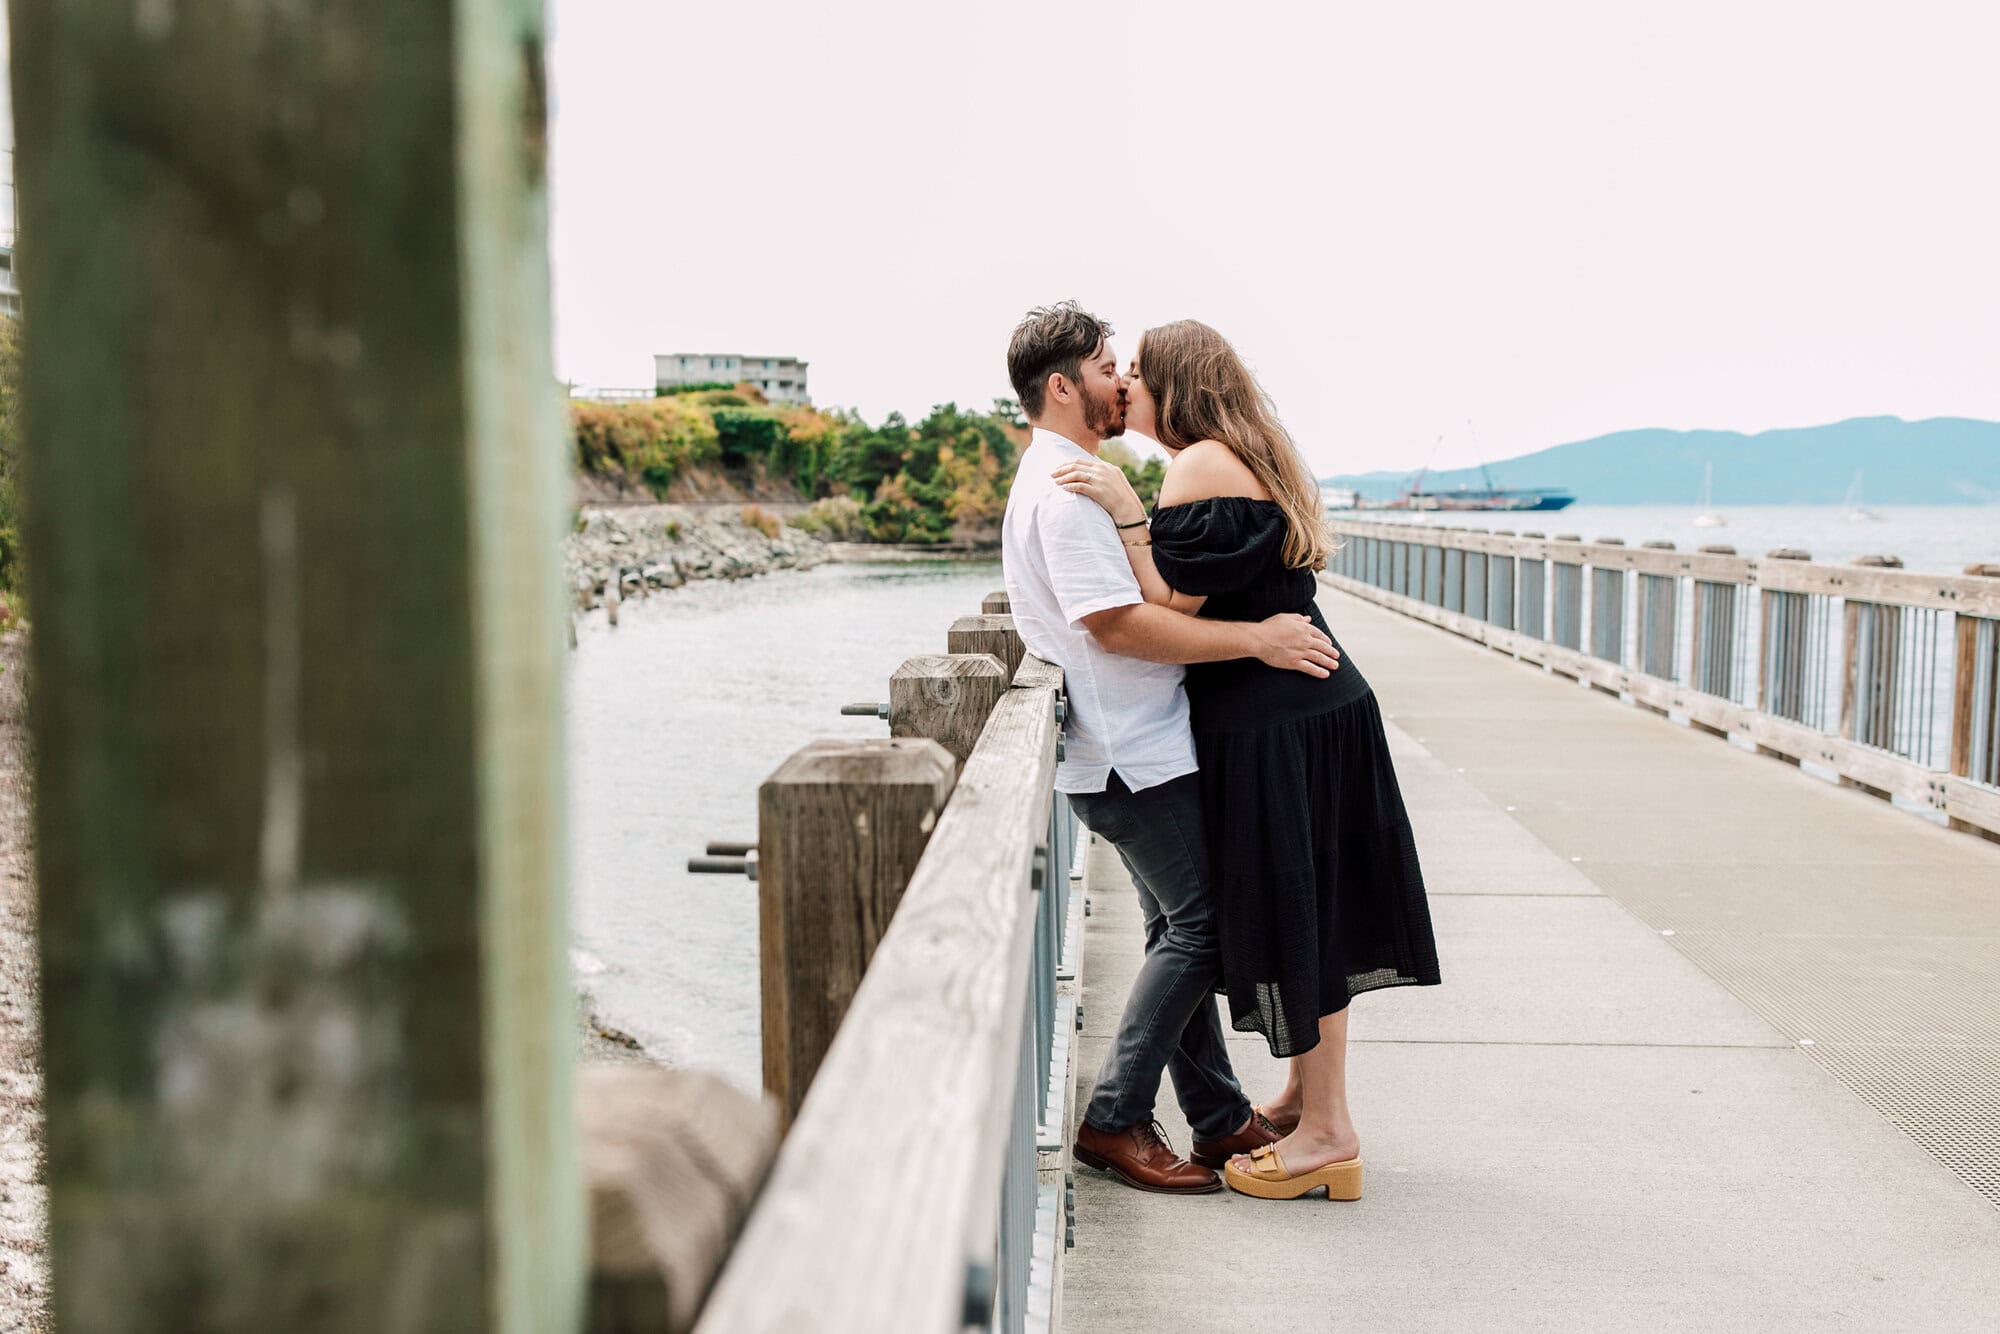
[{"x": 1318, "y": 888}]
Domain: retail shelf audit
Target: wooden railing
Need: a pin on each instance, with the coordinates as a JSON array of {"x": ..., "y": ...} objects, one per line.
[
  {"x": 921, "y": 1185},
  {"x": 1886, "y": 677}
]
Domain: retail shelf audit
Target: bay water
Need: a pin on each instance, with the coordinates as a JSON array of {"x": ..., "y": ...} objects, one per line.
[
  {"x": 675, "y": 717},
  {"x": 1933, "y": 538}
]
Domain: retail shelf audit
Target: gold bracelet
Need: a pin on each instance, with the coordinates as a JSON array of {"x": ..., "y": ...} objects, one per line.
[{"x": 1147, "y": 543}]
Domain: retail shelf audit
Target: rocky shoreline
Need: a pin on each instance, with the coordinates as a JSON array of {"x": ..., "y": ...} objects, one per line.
[
  {"x": 23, "y": 1196},
  {"x": 632, "y": 550}
]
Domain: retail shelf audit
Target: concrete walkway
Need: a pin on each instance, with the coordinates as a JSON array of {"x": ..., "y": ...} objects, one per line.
[{"x": 1594, "y": 1124}]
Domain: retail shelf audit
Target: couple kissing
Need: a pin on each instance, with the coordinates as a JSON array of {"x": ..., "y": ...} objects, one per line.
[{"x": 1220, "y": 741}]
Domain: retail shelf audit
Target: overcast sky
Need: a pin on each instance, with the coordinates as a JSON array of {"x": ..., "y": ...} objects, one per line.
[{"x": 1546, "y": 219}]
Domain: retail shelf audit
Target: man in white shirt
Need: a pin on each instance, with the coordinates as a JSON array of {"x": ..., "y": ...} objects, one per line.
[{"x": 1130, "y": 765}]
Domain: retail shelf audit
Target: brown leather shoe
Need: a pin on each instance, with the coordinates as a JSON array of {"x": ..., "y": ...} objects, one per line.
[
  {"x": 1141, "y": 1158},
  {"x": 1285, "y": 1124},
  {"x": 1255, "y": 1134}
]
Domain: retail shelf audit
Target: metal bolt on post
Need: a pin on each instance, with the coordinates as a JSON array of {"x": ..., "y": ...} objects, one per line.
[{"x": 727, "y": 859}]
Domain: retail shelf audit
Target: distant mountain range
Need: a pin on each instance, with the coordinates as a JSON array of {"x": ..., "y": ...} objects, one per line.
[{"x": 1941, "y": 461}]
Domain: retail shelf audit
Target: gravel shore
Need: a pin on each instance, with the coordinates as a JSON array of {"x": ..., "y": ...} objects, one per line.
[{"x": 24, "y": 1282}]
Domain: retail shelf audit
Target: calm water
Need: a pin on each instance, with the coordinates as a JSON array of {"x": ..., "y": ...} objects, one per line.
[
  {"x": 675, "y": 717},
  {"x": 1927, "y": 537}
]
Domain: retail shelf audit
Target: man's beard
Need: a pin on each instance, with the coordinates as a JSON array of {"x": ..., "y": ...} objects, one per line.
[{"x": 1101, "y": 419}]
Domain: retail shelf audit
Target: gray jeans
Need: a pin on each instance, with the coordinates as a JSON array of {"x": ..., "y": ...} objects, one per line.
[{"x": 1170, "y": 1019}]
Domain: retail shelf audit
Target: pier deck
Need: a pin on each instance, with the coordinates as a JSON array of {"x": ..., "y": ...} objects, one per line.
[{"x": 1610, "y": 1116}]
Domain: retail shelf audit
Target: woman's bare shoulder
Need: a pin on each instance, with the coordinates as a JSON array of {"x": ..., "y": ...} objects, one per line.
[{"x": 1208, "y": 469}]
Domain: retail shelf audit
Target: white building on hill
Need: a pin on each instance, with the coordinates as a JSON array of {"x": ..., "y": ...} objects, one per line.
[{"x": 782, "y": 379}]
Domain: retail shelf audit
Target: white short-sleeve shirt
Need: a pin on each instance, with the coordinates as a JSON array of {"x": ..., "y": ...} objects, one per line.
[{"x": 1064, "y": 561}]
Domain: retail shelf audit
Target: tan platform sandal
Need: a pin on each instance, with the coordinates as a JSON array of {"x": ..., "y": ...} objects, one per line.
[{"x": 1267, "y": 1178}]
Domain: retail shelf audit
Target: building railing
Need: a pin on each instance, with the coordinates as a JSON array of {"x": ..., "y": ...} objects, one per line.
[
  {"x": 1888, "y": 678},
  {"x": 596, "y": 394},
  {"x": 922, "y": 1185}
]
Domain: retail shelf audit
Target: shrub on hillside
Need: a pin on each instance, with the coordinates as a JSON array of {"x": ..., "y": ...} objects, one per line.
[
  {"x": 899, "y": 514},
  {"x": 836, "y": 518},
  {"x": 765, "y": 522},
  {"x": 645, "y": 443},
  {"x": 747, "y": 433}
]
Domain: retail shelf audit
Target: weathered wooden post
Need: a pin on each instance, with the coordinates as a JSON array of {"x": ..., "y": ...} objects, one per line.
[
  {"x": 987, "y": 633},
  {"x": 840, "y": 828},
  {"x": 946, "y": 697},
  {"x": 297, "y": 484},
  {"x": 996, "y": 604},
  {"x": 674, "y": 1159}
]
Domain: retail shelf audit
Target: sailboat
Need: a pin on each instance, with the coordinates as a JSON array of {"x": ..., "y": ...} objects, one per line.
[
  {"x": 1709, "y": 517},
  {"x": 1856, "y": 511}
]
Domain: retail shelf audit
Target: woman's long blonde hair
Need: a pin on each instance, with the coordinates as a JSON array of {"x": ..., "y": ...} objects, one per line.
[{"x": 1205, "y": 392}]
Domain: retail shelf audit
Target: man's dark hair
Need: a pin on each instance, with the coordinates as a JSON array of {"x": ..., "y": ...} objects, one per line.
[{"x": 1051, "y": 339}]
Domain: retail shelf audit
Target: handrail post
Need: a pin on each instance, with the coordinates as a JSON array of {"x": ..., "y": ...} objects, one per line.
[
  {"x": 946, "y": 697},
  {"x": 840, "y": 828},
  {"x": 988, "y": 633},
  {"x": 995, "y": 604}
]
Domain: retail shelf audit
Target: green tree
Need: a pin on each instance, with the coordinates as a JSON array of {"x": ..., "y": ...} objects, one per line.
[
  {"x": 864, "y": 458},
  {"x": 1145, "y": 476}
]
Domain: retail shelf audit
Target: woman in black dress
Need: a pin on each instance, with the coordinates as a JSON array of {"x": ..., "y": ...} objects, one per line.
[{"x": 1316, "y": 877}]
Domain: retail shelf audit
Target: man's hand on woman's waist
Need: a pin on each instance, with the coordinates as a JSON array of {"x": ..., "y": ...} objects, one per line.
[{"x": 1293, "y": 643}]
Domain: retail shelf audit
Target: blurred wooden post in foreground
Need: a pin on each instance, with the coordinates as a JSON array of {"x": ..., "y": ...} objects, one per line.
[{"x": 296, "y": 489}]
